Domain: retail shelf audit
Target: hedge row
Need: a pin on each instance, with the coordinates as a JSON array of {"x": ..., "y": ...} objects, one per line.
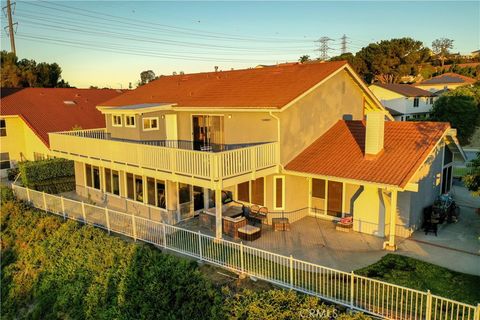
[{"x": 51, "y": 175}]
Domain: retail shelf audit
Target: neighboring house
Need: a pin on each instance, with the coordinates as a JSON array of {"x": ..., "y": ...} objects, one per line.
[
  {"x": 404, "y": 101},
  {"x": 28, "y": 115},
  {"x": 447, "y": 80},
  {"x": 290, "y": 138}
]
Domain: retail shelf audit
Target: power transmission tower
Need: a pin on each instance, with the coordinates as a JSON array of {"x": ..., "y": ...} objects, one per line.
[
  {"x": 323, "y": 48},
  {"x": 11, "y": 32},
  {"x": 344, "y": 44}
]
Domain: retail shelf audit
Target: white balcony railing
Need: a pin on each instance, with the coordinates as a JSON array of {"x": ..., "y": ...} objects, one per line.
[{"x": 98, "y": 144}]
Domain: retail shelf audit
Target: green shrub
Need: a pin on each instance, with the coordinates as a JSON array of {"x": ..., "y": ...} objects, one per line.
[
  {"x": 279, "y": 305},
  {"x": 53, "y": 269},
  {"x": 52, "y": 175},
  {"x": 6, "y": 194},
  {"x": 12, "y": 173}
]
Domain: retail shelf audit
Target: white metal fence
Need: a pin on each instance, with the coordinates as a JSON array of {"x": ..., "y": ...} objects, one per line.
[{"x": 357, "y": 292}]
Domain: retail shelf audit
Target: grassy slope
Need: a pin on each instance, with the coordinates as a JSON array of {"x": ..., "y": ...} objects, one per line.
[{"x": 416, "y": 274}]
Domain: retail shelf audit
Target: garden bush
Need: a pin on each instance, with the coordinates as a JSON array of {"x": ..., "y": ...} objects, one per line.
[
  {"x": 12, "y": 173},
  {"x": 51, "y": 175}
]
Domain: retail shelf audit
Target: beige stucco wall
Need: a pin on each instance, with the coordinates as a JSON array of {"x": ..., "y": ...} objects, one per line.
[{"x": 306, "y": 120}]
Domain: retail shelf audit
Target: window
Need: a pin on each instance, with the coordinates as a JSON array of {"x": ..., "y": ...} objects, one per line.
[
  {"x": 130, "y": 121},
  {"x": 318, "y": 188},
  {"x": 112, "y": 181},
  {"x": 92, "y": 175},
  {"x": 134, "y": 187},
  {"x": 255, "y": 188},
  {"x": 150, "y": 124},
  {"x": 38, "y": 156},
  {"x": 3, "y": 128},
  {"x": 431, "y": 100},
  {"x": 4, "y": 160},
  {"x": 117, "y": 121},
  {"x": 279, "y": 193},
  {"x": 415, "y": 102},
  {"x": 161, "y": 195},
  {"x": 156, "y": 195}
]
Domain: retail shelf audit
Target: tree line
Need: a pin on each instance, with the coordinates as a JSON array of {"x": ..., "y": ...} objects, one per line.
[
  {"x": 28, "y": 73},
  {"x": 388, "y": 61}
]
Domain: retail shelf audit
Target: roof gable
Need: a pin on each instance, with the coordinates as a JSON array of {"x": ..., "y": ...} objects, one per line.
[
  {"x": 268, "y": 87},
  {"x": 57, "y": 109},
  {"x": 340, "y": 152}
]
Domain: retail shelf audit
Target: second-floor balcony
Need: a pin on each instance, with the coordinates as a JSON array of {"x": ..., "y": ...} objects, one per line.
[{"x": 211, "y": 162}]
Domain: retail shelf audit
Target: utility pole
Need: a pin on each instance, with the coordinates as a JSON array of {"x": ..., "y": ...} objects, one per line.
[
  {"x": 10, "y": 27},
  {"x": 323, "y": 47},
  {"x": 344, "y": 44}
]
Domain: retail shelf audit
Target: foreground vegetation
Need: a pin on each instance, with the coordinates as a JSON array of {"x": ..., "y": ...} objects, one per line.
[
  {"x": 53, "y": 269},
  {"x": 416, "y": 274}
]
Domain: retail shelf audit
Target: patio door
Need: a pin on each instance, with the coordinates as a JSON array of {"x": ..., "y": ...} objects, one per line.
[
  {"x": 171, "y": 131},
  {"x": 207, "y": 132},
  {"x": 335, "y": 198}
]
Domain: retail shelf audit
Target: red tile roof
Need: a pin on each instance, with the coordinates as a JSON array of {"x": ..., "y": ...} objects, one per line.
[
  {"x": 449, "y": 77},
  {"x": 404, "y": 89},
  {"x": 340, "y": 152},
  {"x": 44, "y": 110},
  {"x": 268, "y": 87}
]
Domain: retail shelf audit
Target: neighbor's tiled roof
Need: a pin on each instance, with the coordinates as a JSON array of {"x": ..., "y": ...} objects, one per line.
[
  {"x": 340, "y": 152},
  {"x": 268, "y": 87},
  {"x": 448, "y": 77},
  {"x": 44, "y": 110},
  {"x": 404, "y": 89}
]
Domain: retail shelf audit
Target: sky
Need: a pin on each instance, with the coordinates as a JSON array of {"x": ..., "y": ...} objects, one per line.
[{"x": 108, "y": 43}]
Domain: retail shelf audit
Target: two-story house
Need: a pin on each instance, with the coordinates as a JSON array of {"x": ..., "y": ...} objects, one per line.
[
  {"x": 404, "y": 101},
  {"x": 309, "y": 136},
  {"x": 27, "y": 116}
]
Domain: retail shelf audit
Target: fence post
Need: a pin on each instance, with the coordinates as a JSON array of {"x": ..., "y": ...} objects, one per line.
[
  {"x": 63, "y": 208},
  {"x": 107, "y": 220},
  {"x": 44, "y": 201},
  {"x": 352, "y": 288},
  {"x": 164, "y": 236},
  {"x": 291, "y": 271},
  {"x": 28, "y": 194},
  {"x": 83, "y": 213},
  {"x": 428, "y": 313},
  {"x": 200, "y": 245},
  {"x": 242, "y": 261},
  {"x": 134, "y": 228}
]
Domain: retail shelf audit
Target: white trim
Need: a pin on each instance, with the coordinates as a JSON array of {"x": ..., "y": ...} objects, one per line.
[
  {"x": 282, "y": 177},
  {"x": 113, "y": 120},
  {"x": 150, "y": 118},
  {"x": 134, "y": 121}
]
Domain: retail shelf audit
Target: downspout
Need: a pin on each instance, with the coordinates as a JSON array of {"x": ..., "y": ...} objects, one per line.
[{"x": 278, "y": 137}]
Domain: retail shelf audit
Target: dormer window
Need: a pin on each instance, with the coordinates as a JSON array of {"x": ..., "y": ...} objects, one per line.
[
  {"x": 150, "y": 124},
  {"x": 117, "y": 121},
  {"x": 130, "y": 121}
]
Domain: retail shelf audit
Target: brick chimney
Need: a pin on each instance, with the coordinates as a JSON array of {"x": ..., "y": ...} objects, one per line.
[{"x": 374, "y": 133}]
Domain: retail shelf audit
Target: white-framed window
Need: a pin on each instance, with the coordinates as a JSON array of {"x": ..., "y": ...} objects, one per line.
[
  {"x": 252, "y": 191},
  {"x": 130, "y": 121},
  {"x": 92, "y": 175},
  {"x": 431, "y": 100},
  {"x": 4, "y": 160},
  {"x": 116, "y": 120},
  {"x": 150, "y": 123},
  {"x": 279, "y": 192},
  {"x": 112, "y": 181},
  {"x": 3, "y": 128},
  {"x": 416, "y": 101}
]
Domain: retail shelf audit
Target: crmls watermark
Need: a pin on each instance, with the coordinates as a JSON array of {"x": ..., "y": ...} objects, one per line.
[{"x": 319, "y": 314}]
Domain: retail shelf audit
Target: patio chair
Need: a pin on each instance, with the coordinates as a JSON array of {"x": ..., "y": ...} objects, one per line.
[{"x": 254, "y": 209}]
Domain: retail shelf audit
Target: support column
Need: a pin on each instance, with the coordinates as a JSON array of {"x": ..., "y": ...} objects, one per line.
[
  {"x": 206, "y": 198},
  {"x": 218, "y": 213},
  {"x": 172, "y": 193},
  {"x": 390, "y": 246}
]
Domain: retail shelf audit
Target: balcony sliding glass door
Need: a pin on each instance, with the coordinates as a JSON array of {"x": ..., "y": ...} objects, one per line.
[{"x": 207, "y": 132}]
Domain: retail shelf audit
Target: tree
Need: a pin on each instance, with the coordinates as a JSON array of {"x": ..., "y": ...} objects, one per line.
[
  {"x": 441, "y": 47},
  {"x": 472, "y": 179},
  {"x": 389, "y": 60},
  {"x": 304, "y": 58},
  {"x": 348, "y": 56},
  {"x": 27, "y": 73},
  {"x": 461, "y": 110},
  {"x": 146, "y": 77}
]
